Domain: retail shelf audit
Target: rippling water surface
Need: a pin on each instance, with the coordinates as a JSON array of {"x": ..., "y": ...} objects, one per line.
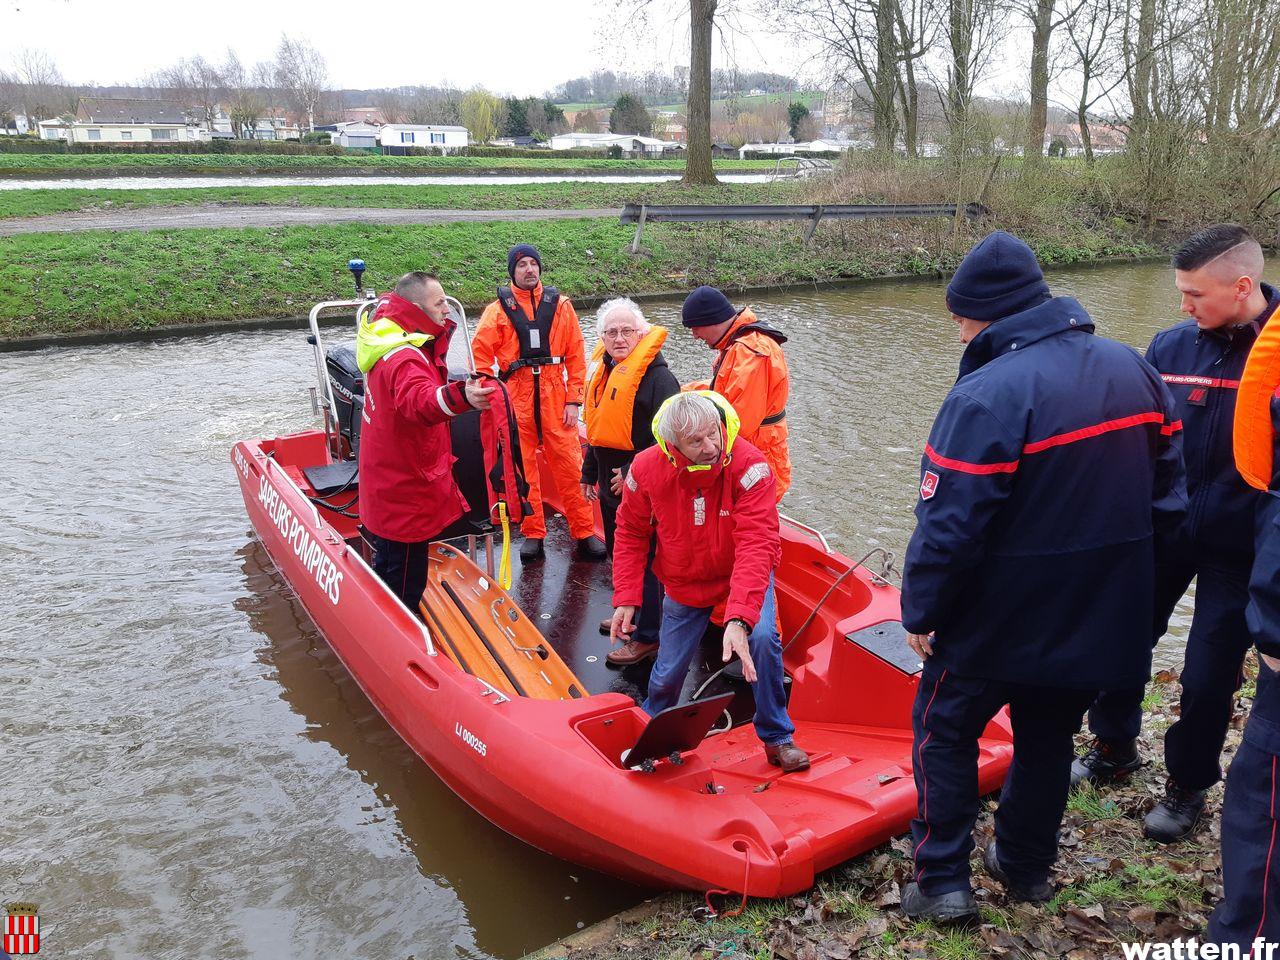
[{"x": 189, "y": 772}]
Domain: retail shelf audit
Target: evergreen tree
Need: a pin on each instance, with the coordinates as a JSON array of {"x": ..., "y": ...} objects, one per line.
[
  {"x": 796, "y": 114},
  {"x": 516, "y": 121},
  {"x": 630, "y": 116}
]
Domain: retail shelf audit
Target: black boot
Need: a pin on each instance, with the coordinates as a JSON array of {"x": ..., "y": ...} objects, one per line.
[
  {"x": 958, "y": 905},
  {"x": 531, "y": 549},
  {"x": 1174, "y": 817},
  {"x": 1107, "y": 760},
  {"x": 591, "y": 548},
  {"x": 1030, "y": 893}
]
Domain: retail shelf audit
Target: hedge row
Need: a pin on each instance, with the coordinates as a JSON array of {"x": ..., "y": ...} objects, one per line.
[{"x": 272, "y": 147}]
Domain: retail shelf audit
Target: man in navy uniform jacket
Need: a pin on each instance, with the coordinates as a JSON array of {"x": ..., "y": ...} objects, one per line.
[
  {"x": 1219, "y": 274},
  {"x": 1051, "y": 476}
]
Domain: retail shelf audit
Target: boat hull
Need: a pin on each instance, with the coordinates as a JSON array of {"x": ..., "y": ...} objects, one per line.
[{"x": 548, "y": 771}]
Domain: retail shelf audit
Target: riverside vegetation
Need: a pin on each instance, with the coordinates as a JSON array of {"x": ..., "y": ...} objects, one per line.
[
  {"x": 1114, "y": 887},
  {"x": 1069, "y": 211}
]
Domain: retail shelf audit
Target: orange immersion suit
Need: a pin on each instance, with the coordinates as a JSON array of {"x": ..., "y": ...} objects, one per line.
[
  {"x": 557, "y": 381},
  {"x": 750, "y": 371}
]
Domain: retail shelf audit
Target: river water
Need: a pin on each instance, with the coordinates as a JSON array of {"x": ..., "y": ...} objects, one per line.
[
  {"x": 189, "y": 772},
  {"x": 205, "y": 183}
]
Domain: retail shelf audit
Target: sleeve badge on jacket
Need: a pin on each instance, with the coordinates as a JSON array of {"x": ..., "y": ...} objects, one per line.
[{"x": 929, "y": 485}]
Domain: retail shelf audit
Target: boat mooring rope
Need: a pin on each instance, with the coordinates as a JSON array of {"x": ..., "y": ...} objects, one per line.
[{"x": 746, "y": 876}]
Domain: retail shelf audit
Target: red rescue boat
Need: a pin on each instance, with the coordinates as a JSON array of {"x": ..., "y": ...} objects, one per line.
[{"x": 505, "y": 694}]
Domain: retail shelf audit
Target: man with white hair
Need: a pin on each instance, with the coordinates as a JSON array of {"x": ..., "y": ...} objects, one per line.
[
  {"x": 627, "y": 381},
  {"x": 708, "y": 497}
]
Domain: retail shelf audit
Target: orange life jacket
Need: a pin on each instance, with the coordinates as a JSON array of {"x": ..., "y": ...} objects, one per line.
[
  {"x": 611, "y": 393},
  {"x": 1252, "y": 433}
]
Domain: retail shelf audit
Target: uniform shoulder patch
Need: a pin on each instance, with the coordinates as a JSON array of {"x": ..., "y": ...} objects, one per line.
[
  {"x": 928, "y": 485},
  {"x": 754, "y": 474},
  {"x": 630, "y": 481}
]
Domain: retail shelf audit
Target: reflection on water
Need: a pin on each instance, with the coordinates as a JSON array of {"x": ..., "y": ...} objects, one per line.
[
  {"x": 204, "y": 183},
  {"x": 190, "y": 771}
]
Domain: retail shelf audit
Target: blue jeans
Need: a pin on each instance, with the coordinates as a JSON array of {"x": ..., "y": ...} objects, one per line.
[{"x": 682, "y": 630}]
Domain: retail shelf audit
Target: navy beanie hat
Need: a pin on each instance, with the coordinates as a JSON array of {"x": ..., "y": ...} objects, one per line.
[
  {"x": 999, "y": 277},
  {"x": 518, "y": 251},
  {"x": 706, "y": 307}
]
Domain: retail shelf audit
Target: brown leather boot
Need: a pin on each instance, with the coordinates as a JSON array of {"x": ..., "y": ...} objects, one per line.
[
  {"x": 787, "y": 756},
  {"x": 633, "y": 651}
]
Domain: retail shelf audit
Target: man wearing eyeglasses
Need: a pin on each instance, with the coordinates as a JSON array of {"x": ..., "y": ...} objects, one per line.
[{"x": 627, "y": 381}]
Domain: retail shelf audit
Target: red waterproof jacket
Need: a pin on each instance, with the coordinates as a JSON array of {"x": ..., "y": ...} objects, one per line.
[
  {"x": 717, "y": 529},
  {"x": 407, "y": 491}
]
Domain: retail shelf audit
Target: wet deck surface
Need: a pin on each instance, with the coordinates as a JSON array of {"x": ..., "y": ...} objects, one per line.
[{"x": 566, "y": 599}]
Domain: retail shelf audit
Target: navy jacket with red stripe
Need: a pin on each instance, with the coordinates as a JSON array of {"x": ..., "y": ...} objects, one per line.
[
  {"x": 1052, "y": 475},
  {"x": 1202, "y": 370}
]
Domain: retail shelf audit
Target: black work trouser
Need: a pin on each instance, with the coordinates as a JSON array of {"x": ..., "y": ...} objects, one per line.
[
  {"x": 949, "y": 716},
  {"x": 649, "y": 623},
  {"x": 1211, "y": 671},
  {"x": 1250, "y": 906},
  {"x": 402, "y": 567}
]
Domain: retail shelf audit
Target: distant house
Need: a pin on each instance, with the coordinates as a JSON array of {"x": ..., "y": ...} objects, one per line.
[
  {"x": 399, "y": 138},
  {"x": 372, "y": 115},
  {"x": 54, "y": 129},
  {"x": 524, "y": 143},
  {"x": 829, "y": 145},
  {"x": 1103, "y": 139},
  {"x": 354, "y": 133},
  {"x": 264, "y": 128},
  {"x": 632, "y": 145},
  {"x": 125, "y": 120}
]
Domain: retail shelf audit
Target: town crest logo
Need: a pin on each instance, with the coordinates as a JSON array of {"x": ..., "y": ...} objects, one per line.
[{"x": 21, "y": 929}]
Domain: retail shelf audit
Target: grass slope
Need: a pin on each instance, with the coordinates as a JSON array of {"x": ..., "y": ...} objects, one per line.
[{"x": 33, "y": 203}]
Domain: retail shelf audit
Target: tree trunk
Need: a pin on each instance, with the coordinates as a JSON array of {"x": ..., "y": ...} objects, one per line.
[
  {"x": 1082, "y": 117},
  {"x": 958, "y": 92},
  {"x": 1037, "y": 119},
  {"x": 1142, "y": 67},
  {"x": 910, "y": 101},
  {"x": 884, "y": 121},
  {"x": 697, "y": 163}
]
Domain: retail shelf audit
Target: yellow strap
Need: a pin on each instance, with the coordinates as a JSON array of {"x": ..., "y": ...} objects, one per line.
[{"x": 504, "y": 566}]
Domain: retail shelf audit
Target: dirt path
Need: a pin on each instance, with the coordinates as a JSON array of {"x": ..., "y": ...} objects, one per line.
[{"x": 213, "y": 216}]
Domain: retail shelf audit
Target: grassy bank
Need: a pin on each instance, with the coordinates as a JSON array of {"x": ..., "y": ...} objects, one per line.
[
  {"x": 1114, "y": 886},
  {"x": 34, "y": 203},
  {"x": 92, "y": 281},
  {"x": 42, "y": 164}
]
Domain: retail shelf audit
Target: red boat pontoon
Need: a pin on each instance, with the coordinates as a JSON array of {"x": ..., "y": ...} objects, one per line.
[{"x": 505, "y": 694}]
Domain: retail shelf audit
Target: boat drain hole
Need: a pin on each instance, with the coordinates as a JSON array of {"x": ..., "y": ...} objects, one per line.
[{"x": 741, "y": 846}]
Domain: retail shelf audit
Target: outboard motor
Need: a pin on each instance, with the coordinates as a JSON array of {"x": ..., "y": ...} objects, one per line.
[{"x": 347, "y": 383}]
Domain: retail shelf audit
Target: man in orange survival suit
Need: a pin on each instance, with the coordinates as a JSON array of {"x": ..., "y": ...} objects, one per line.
[
  {"x": 750, "y": 371},
  {"x": 531, "y": 337}
]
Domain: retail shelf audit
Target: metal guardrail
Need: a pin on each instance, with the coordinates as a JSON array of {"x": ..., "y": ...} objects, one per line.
[{"x": 815, "y": 213}]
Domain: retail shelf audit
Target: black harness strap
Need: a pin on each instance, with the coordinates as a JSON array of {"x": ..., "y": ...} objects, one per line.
[
  {"x": 535, "y": 340},
  {"x": 770, "y": 331}
]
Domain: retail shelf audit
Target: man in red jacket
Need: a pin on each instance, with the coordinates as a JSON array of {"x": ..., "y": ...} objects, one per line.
[
  {"x": 709, "y": 495},
  {"x": 407, "y": 492}
]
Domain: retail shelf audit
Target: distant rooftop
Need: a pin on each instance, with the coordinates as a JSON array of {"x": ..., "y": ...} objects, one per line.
[{"x": 129, "y": 110}]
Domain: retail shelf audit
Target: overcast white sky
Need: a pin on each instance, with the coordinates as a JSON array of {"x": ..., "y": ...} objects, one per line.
[{"x": 508, "y": 46}]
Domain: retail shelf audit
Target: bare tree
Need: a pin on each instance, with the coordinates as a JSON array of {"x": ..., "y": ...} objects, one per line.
[
  {"x": 1093, "y": 49},
  {"x": 1044, "y": 16},
  {"x": 972, "y": 31},
  {"x": 197, "y": 83},
  {"x": 245, "y": 102},
  {"x": 390, "y": 104},
  {"x": 301, "y": 71},
  {"x": 39, "y": 87}
]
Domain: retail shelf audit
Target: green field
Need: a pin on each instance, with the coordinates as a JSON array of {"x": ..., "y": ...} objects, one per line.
[
  {"x": 32, "y": 203},
  {"x": 51, "y": 164},
  {"x": 60, "y": 283}
]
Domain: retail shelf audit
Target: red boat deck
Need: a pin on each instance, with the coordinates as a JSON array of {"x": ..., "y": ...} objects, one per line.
[{"x": 549, "y": 771}]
